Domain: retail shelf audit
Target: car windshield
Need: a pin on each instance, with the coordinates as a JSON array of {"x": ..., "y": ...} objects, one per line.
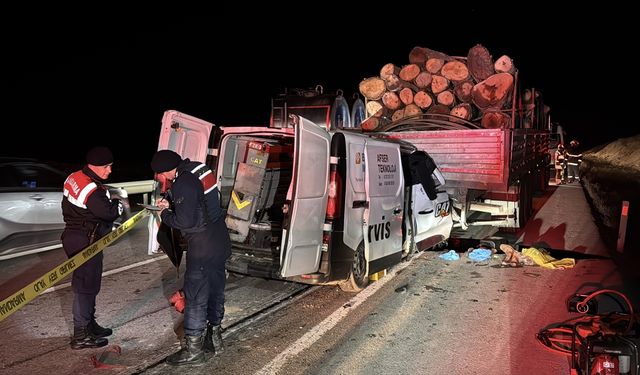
[{"x": 30, "y": 176}]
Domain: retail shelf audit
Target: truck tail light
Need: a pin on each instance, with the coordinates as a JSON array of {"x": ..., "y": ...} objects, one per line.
[{"x": 335, "y": 189}]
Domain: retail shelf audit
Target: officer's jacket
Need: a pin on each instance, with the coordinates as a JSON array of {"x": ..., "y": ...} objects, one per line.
[
  {"x": 86, "y": 204},
  {"x": 210, "y": 187},
  {"x": 187, "y": 195}
]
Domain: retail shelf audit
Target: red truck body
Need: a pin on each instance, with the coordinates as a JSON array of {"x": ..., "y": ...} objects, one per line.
[{"x": 491, "y": 174}]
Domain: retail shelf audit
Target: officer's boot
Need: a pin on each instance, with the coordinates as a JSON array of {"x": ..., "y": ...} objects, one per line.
[
  {"x": 83, "y": 339},
  {"x": 98, "y": 331},
  {"x": 208, "y": 346},
  {"x": 213, "y": 340},
  {"x": 190, "y": 354},
  {"x": 215, "y": 334}
]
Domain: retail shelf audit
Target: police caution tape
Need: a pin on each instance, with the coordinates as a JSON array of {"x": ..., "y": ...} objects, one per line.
[{"x": 14, "y": 302}]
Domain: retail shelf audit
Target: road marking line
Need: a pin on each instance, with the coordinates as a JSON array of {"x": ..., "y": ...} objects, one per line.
[
  {"x": 315, "y": 333},
  {"x": 28, "y": 252},
  {"x": 110, "y": 272}
]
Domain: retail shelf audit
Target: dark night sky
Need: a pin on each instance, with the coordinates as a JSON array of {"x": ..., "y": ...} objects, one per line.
[{"x": 114, "y": 75}]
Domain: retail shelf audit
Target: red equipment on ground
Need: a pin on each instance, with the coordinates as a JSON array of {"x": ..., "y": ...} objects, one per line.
[{"x": 177, "y": 300}]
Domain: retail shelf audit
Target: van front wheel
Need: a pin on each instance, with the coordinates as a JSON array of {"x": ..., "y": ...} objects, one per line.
[{"x": 358, "y": 277}]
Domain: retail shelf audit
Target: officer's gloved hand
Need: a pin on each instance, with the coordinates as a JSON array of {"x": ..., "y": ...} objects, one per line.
[{"x": 120, "y": 207}]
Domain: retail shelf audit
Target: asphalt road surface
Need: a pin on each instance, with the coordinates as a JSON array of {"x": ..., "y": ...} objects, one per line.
[{"x": 427, "y": 316}]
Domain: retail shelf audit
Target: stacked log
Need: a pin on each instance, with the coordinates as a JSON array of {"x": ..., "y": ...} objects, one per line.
[{"x": 473, "y": 88}]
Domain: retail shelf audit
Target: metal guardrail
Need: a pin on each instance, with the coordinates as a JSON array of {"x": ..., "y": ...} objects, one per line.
[
  {"x": 134, "y": 187},
  {"x": 143, "y": 187}
]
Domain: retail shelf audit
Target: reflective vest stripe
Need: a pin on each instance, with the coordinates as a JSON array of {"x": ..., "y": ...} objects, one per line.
[
  {"x": 77, "y": 188},
  {"x": 198, "y": 167},
  {"x": 81, "y": 201},
  {"x": 208, "y": 181},
  {"x": 206, "y": 177}
]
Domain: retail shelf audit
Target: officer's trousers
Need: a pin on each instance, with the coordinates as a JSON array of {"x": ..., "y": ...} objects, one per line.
[
  {"x": 86, "y": 279},
  {"x": 205, "y": 279}
]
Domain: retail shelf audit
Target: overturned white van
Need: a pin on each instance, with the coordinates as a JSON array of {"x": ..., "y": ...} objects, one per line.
[{"x": 311, "y": 205}]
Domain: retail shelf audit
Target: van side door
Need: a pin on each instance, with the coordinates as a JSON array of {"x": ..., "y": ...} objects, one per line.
[
  {"x": 189, "y": 137},
  {"x": 302, "y": 238},
  {"x": 384, "y": 183}
]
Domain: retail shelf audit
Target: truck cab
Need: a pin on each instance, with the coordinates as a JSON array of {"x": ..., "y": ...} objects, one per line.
[{"x": 310, "y": 204}]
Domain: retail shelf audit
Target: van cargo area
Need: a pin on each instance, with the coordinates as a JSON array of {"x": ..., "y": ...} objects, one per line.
[
  {"x": 314, "y": 206},
  {"x": 254, "y": 182}
]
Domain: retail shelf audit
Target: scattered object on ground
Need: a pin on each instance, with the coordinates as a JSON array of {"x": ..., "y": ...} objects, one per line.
[
  {"x": 450, "y": 255},
  {"x": 542, "y": 258},
  {"x": 108, "y": 359},
  {"x": 480, "y": 255},
  {"x": 512, "y": 257}
]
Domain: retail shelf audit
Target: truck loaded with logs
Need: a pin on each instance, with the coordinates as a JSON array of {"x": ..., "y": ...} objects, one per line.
[{"x": 487, "y": 134}]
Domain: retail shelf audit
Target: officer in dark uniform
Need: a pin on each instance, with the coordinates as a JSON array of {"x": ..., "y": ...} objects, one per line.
[
  {"x": 574, "y": 159},
  {"x": 88, "y": 212},
  {"x": 196, "y": 212}
]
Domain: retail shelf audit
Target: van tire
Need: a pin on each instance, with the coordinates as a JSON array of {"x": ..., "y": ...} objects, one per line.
[{"x": 358, "y": 277}]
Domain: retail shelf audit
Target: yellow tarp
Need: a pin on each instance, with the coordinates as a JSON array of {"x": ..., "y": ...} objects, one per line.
[{"x": 542, "y": 258}]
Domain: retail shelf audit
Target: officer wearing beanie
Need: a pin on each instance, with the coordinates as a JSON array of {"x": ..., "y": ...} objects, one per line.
[
  {"x": 193, "y": 207},
  {"x": 89, "y": 213}
]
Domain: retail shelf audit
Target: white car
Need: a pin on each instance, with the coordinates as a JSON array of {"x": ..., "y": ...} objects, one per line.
[
  {"x": 31, "y": 206},
  {"x": 30, "y": 210}
]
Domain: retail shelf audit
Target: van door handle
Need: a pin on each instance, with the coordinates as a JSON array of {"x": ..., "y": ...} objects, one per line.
[
  {"x": 397, "y": 210},
  {"x": 360, "y": 204}
]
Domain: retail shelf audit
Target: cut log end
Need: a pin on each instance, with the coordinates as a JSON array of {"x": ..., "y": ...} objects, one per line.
[
  {"x": 463, "y": 91},
  {"x": 438, "y": 83},
  {"x": 434, "y": 65},
  {"x": 504, "y": 65},
  {"x": 387, "y": 70},
  {"x": 422, "y": 99},
  {"x": 446, "y": 98},
  {"x": 412, "y": 110},
  {"x": 423, "y": 80},
  {"x": 455, "y": 71},
  {"x": 370, "y": 124},
  {"x": 493, "y": 92},
  {"x": 495, "y": 120},
  {"x": 372, "y": 88},
  {"x": 409, "y": 72},
  {"x": 463, "y": 111},
  {"x": 406, "y": 96},
  {"x": 391, "y": 100},
  {"x": 374, "y": 108}
]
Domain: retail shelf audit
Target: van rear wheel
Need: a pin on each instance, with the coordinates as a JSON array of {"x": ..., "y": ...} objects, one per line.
[{"x": 358, "y": 277}]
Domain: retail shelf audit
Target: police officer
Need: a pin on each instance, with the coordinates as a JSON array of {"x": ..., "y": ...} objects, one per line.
[
  {"x": 88, "y": 213},
  {"x": 196, "y": 212}
]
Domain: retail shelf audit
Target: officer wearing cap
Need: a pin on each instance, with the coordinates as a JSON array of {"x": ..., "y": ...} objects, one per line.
[
  {"x": 89, "y": 213},
  {"x": 574, "y": 159},
  {"x": 195, "y": 210}
]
